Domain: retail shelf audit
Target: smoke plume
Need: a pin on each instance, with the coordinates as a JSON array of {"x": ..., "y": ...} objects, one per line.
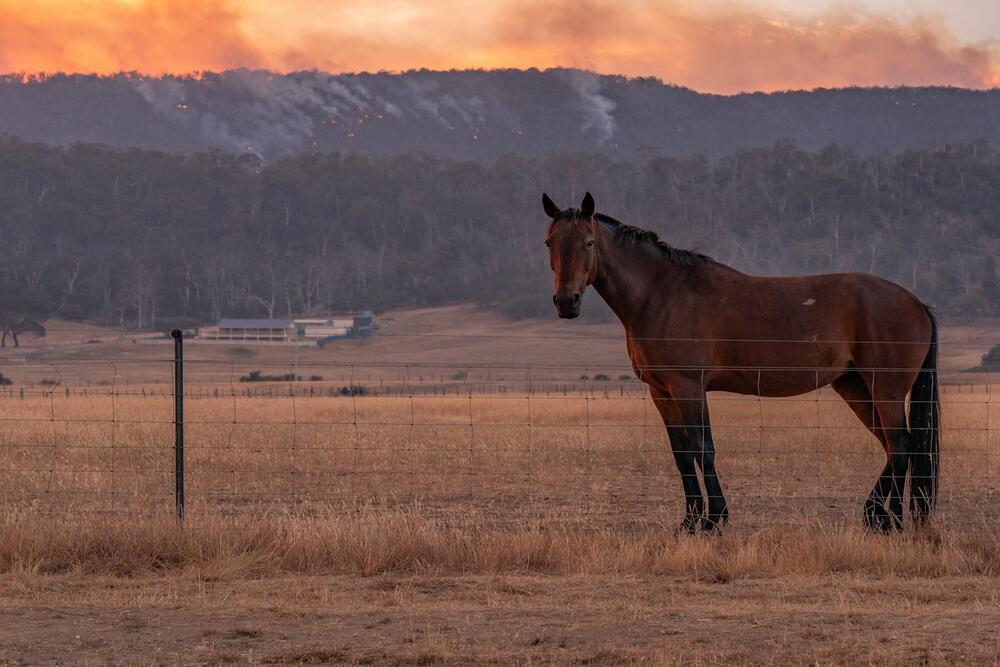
[{"x": 724, "y": 49}]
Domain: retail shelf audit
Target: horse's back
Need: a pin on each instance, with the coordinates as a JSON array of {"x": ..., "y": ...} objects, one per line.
[
  {"x": 788, "y": 335},
  {"x": 891, "y": 326},
  {"x": 849, "y": 307}
]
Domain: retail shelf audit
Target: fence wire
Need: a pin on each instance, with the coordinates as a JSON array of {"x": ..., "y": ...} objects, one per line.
[{"x": 503, "y": 442}]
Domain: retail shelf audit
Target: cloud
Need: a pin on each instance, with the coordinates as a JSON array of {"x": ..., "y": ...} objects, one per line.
[
  {"x": 743, "y": 48},
  {"x": 722, "y": 48},
  {"x": 153, "y": 36}
]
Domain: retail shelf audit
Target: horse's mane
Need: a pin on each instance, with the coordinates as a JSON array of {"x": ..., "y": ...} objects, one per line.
[{"x": 631, "y": 234}]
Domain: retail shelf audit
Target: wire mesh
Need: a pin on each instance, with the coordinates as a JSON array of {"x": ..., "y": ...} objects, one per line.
[{"x": 511, "y": 442}]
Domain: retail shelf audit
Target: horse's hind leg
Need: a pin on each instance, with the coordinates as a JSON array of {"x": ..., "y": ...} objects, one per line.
[
  {"x": 888, "y": 389},
  {"x": 853, "y": 389},
  {"x": 892, "y": 413}
]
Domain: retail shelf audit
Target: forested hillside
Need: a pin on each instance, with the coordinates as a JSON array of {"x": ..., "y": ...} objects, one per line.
[
  {"x": 150, "y": 239},
  {"x": 479, "y": 115}
]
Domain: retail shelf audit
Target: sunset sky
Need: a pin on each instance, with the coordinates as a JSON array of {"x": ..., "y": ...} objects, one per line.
[{"x": 711, "y": 45}]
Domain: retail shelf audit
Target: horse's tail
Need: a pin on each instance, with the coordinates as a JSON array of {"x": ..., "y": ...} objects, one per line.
[{"x": 925, "y": 433}]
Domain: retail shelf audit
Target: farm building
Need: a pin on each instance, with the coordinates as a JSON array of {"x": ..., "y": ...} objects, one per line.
[{"x": 315, "y": 331}]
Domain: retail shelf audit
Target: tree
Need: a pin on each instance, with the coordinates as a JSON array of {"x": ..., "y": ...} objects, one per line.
[
  {"x": 991, "y": 288},
  {"x": 20, "y": 314},
  {"x": 141, "y": 238},
  {"x": 991, "y": 360}
]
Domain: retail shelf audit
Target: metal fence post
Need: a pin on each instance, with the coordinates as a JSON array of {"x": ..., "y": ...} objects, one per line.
[{"x": 178, "y": 337}]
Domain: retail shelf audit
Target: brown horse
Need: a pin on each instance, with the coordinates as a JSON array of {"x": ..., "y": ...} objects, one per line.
[{"x": 693, "y": 325}]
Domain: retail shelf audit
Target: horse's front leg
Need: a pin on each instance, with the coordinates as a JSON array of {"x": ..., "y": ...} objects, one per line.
[
  {"x": 684, "y": 457},
  {"x": 718, "y": 511},
  {"x": 685, "y": 416}
]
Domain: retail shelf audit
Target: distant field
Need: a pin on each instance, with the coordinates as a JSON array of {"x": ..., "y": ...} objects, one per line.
[{"x": 443, "y": 337}]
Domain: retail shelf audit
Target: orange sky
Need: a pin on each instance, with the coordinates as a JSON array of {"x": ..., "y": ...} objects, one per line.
[{"x": 711, "y": 45}]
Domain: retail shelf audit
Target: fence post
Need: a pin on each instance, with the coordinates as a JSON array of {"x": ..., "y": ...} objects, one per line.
[{"x": 178, "y": 337}]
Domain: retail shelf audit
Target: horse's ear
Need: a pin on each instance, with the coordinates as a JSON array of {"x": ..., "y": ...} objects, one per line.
[
  {"x": 587, "y": 206},
  {"x": 550, "y": 207}
]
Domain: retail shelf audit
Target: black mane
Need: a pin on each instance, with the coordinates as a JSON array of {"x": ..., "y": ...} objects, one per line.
[{"x": 630, "y": 234}]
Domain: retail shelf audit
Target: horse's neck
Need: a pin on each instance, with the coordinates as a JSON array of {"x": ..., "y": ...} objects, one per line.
[{"x": 630, "y": 272}]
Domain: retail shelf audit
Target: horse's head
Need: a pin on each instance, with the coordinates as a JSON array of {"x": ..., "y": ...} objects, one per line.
[{"x": 572, "y": 253}]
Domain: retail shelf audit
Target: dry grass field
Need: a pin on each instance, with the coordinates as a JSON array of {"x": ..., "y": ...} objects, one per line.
[
  {"x": 481, "y": 504},
  {"x": 599, "y": 459}
]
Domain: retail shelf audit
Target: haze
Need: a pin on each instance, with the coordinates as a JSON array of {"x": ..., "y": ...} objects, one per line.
[{"x": 721, "y": 47}]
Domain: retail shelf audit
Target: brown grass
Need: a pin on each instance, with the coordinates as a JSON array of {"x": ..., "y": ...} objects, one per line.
[
  {"x": 396, "y": 588},
  {"x": 598, "y": 460},
  {"x": 394, "y": 542}
]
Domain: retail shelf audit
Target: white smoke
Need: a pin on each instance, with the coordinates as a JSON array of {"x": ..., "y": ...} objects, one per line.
[
  {"x": 164, "y": 94},
  {"x": 274, "y": 115},
  {"x": 597, "y": 109},
  {"x": 251, "y": 112},
  {"x": 426, "y": 99},
  {"x": 271, "y": 114}
]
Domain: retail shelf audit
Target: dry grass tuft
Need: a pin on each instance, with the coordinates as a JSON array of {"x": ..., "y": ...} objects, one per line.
[{"x": 392, "y": 542}]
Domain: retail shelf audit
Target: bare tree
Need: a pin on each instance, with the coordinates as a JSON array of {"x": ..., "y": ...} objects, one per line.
[{"x": 270, "y": 298}]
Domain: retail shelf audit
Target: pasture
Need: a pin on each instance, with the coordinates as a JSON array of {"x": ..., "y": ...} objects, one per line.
[
  {"x": 519, "y": 509},
  {"x": 596, "y": 457}
]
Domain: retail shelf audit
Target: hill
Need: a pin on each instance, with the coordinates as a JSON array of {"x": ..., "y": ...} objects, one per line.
[{"x": 477, "y": 115}]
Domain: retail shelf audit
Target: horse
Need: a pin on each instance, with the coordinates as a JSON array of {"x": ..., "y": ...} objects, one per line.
[{"x": 694, "y": 325}]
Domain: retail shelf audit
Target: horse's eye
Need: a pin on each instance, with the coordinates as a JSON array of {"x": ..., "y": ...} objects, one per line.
[
  {"x": 589, "y": 244},
  {"x": 548, "y": 244}
]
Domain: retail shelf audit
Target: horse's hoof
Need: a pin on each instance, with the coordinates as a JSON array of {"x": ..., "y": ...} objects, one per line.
[
  {"x": 689, "y": 526},
  {"x": 892, "y": 522},
  {"x": 882, "y": 524},
  {"x": 874, "y": 518},
  {"x": 872, "y": 525},
  {"x": 713, "y": 526}
]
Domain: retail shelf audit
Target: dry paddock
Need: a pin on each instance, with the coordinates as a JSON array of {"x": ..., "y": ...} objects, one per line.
[
  {"x": 486, "y": 528},
  {"x": 597, "y": 458}
]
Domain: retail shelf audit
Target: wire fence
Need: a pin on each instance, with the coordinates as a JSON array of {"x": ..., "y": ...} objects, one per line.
[{"x": 96, "y": 435}]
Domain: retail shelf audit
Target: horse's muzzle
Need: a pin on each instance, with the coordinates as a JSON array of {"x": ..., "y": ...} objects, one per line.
[{"x": 568, "y": 307}]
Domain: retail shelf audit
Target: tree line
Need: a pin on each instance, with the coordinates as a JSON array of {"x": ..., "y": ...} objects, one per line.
[{"x": 147, "y": 239}]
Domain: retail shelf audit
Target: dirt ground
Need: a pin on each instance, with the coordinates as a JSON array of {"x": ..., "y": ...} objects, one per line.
[{"x": 499, "y": 619}]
